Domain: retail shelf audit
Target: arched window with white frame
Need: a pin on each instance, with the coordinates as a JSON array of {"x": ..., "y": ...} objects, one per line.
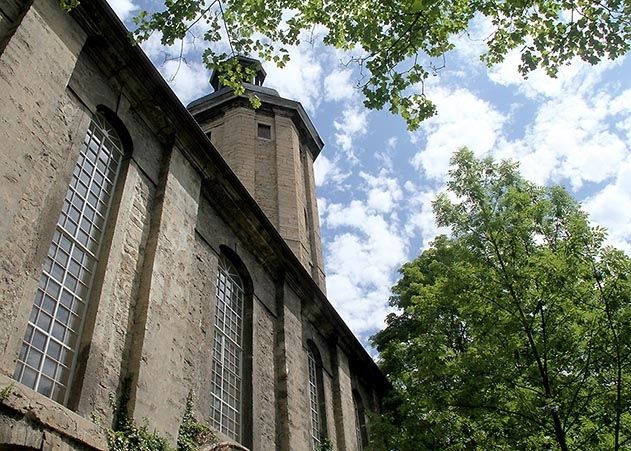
[{"x": 48, "y": 354}]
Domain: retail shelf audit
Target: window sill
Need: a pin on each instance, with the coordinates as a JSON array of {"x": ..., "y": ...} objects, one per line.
[{"x": 44, "y": 419}]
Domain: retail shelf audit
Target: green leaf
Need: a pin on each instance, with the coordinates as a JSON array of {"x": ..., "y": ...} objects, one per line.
[
  {"x": 397, "y": 41},
  {"x": 514, "y": 332}
]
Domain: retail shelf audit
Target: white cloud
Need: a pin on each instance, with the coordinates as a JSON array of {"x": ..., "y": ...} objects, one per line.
[
  {"x": 321, "y": 168},
  {"x": 353, "y": 124},
  {"x": 386, "y": 156},
  {"x": 363, "y": 311},
  {"x": 300, "y": 79},
  {"x": 383, "y": 191},
  {"x": 463, "y": 120},
  {"x": 471, "y": 44},
  {"x": 364, "y": 247},
  {"x": 578, "y": 77},
  {"x": 421, "y": 220},
  {"x": 123, "y": 8},
  {"x": 189, "y": 81},
  {"x": 620, "y": 109},
  {"x": 154, "y": 48},
  {"x": 322, "y": 204},
  {"x": 361, "y": 260},
  {"x": 611, "y": 207},
  {"x": 338, "y": 85},
  {"x": 576, "y": 122},
  {"x": 573, "y": 137},
  {"x": 327, "y": 171},
  {"x": 180, "y": 66}
]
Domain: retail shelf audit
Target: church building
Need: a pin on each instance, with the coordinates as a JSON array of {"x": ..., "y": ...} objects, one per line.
[{"x": 150, "y": 250}]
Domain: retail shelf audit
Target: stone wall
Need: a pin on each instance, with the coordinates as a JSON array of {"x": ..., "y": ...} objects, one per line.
[
  {"x": 29, "y": 420},
  {"x": 158, "y": 386},
  {"x": 40, "y": 129},
  {"x": 148, "y": 336},
  {"x": 11, "y": 14},
  {"x": 278, "y": 173}
]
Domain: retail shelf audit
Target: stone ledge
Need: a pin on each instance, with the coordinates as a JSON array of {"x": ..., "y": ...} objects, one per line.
[
  {"x": 39, "y": 410},
  {"x": 223, "y": 446}
]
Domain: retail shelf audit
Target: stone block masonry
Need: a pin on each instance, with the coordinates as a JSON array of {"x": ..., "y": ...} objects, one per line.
[{"x": 179, "y": 207}]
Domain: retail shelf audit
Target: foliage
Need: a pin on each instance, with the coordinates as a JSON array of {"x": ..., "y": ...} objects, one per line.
[
  {"x": 324, "y": 445},
  {"x": 192, "y": 432},
  {"x": 513, "y": 333},
  {"x": 128, "y": 436},
  {"x": 5, "y": 392},
  {"x": 396, "y": 44},
  {"x": 68, "y": 5},
  {"x": 131, "y": 437}
]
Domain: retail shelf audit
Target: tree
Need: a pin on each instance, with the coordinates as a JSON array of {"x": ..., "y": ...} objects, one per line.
[
  {"x": 512, "y": 333},
  {"x": 397, "y": 43}
]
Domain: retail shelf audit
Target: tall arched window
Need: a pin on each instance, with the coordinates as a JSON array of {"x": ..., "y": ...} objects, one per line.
[
  {"x": 360, "y": 421},
  {"x": 316, "y": 395},
  {"x": 227, "y": 368},
  {"x": 48, "y": 354}
]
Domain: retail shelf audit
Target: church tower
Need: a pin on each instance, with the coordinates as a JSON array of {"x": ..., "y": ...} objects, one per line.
[{"x": 272, "y": 150}]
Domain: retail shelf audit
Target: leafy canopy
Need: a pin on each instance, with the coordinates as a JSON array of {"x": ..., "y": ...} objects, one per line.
[
  {"x": 515, "y": 331},
  {"x": 397, "y": 43}
]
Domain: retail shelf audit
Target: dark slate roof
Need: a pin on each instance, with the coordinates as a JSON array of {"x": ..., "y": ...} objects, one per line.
[
  {"x": 248, "y": 86},
  {"x": 268, "y": 96}
]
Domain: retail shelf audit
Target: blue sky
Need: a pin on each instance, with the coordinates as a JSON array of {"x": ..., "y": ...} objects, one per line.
[{"x": 376, "y": 180}]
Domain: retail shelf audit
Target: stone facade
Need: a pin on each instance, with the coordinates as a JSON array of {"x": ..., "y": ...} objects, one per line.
[
  {"x": 276, "y": 167},
  {"x": 177, "y": 208}
]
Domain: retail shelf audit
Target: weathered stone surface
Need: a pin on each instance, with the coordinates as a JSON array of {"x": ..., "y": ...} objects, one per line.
[
  {"x": 148, "y": 334},
  {"x": 343, "y": 408},
  {"x": 296, "y": 425},
  {"x": 263, "y": 379},
  {"x": 223, "y": 446},
  {"x": 38, "y": 132},
  {"x": 30, "y": 419},
  {"x": 162, "y": 357},
  {"x": 278, "y": 173}
]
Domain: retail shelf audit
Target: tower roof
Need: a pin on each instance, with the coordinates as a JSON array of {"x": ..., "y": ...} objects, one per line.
[
  {"x": 244, "y": 61},
  {"x": 223, "y": 98}
]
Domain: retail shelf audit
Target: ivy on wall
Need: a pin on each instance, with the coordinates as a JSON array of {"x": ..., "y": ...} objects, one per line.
[
  {"x": 127, "y": 435},
  {"x": 325, "y": 445},
  {"x": 5, "y": 392}
]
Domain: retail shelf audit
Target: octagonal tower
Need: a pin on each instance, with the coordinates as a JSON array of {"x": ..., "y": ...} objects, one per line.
[{"x": 272, "y": 150}]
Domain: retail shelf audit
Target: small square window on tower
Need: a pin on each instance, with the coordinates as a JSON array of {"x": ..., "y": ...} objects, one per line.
[{"x": 264, "y": 131}]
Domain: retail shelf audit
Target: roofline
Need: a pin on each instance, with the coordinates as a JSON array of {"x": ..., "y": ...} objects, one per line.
[
  {"x": 226, "y": 96},
  {"x": 87, "y": 16}
]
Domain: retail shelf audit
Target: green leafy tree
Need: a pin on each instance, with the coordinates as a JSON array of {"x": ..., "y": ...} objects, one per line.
[
  {"x": 397, "y": 44},
  {"x": 512, "y": 333}
]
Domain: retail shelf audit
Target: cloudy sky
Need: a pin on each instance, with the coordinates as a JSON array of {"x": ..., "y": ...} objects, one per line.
[{"x": 376, "y": 180}]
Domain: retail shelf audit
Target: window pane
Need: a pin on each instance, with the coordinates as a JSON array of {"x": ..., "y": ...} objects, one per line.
[
  {"x": 264, "y": 131},
  {"x": 45, "y": 362},
  {"x": 360, "y": 422},
  {"x": 314, "y": 399},
  {"x": 227, "y": 351}
]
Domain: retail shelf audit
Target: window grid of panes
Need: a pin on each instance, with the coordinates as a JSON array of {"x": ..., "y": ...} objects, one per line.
[
  {"x": 314, "y": 399},
  {"x": 359, "y": 408},
  {"x": 227, "y": 351},
  {"x": 48, "y": 351}
]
